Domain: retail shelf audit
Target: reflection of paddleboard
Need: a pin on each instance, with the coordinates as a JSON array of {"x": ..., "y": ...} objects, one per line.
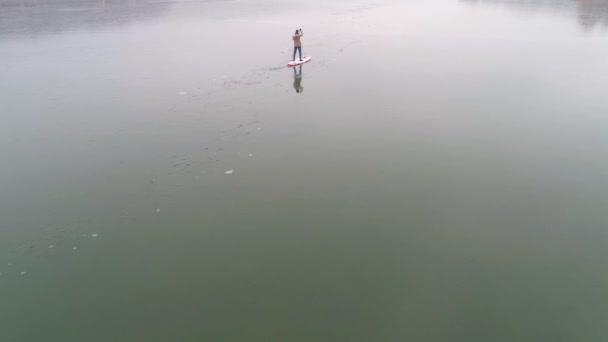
[{"x": 305, "y": 59}]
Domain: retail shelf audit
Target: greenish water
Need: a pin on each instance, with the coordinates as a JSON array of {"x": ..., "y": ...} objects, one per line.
[{"x": 441, "y": 177}]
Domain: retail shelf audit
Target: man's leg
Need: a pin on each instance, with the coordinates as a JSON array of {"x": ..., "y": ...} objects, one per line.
[
  {"x": 294, "y": 53},
  {"x": 300, "y": 51}
]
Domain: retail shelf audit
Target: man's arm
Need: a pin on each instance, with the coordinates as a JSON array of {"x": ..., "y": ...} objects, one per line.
[{"x": 301, "y": 33}]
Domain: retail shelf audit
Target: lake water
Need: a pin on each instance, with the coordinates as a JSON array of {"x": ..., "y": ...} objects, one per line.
[{"x": 438, "y": 172}]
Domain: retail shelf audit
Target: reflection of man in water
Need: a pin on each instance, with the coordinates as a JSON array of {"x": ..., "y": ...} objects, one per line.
[{"x": 297, "y": 79}]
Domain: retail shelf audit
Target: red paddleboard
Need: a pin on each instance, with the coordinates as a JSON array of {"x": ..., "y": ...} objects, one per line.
[{"x": 305, "y": 59}]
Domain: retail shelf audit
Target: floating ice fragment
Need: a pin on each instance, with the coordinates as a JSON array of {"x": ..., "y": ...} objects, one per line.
[
  {"x": 94, "y": 235},
  {"x": 157, "y": 210},
  {"x": 51, "y": 246},
  {"x": 229, "y": 172},
  {"x": 22, "y": 273},
  {"x": 183, "y": 92},
  {"x": 251, "y": 155},
  {"x": 74, "y": 248}
]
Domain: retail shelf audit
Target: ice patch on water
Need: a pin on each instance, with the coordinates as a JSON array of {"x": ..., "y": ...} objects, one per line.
[
  {"x": 157, "y": 210},
  {"x": 251, "y": 155},
  {"x": 229, "y": 172},
  {"x": 94, "y": 235},
  {"x": 74, "y": 248},
  {"x": 183, "y": 92},
  {"x": 22, "y": 273},
  {"x": 51, "y": 246}
]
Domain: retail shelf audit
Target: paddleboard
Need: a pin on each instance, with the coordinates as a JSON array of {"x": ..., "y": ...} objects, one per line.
[{"x": 305, "y": 59}]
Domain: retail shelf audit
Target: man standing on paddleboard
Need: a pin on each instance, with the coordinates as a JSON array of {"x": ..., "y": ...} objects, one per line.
[{"x": 297, "y": 44}]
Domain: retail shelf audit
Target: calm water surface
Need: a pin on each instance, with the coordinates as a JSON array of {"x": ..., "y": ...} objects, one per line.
[{"x": 440, "y": 177}]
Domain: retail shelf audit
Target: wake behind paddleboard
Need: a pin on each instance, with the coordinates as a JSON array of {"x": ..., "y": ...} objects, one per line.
[{"x": 305, "y": 59}]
